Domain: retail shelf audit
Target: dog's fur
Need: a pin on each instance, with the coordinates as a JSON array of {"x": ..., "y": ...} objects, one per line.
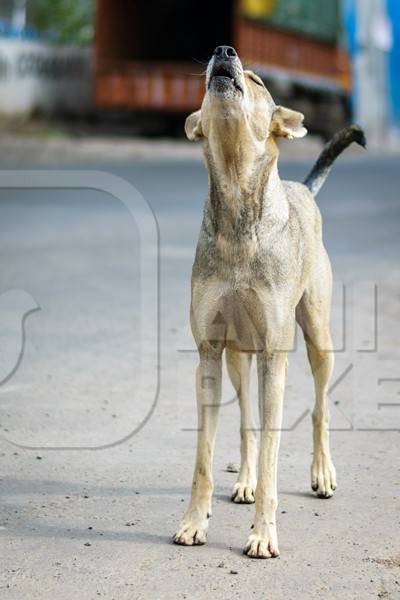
[{"x": 260, "y": 265}]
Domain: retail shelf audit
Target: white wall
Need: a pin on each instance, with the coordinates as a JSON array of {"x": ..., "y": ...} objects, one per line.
[{"x": 52, "y": 79}]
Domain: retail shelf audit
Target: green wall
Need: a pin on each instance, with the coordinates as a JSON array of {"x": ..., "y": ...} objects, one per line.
[{"x": 316, "y": 18}]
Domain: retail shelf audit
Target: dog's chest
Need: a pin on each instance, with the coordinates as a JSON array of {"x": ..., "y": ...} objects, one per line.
[
  {"x": 242, "y": 293},
  {"x": 250, "y": 264},
  {"x": 240, "y": 307},
  {"x": 243, "y": 317}
]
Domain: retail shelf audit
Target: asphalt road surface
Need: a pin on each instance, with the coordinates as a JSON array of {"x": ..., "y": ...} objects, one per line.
[{"x": 97, "y": 426}]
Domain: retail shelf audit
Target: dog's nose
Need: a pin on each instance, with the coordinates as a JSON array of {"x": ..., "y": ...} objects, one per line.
[{"x": 225, "y": 52}]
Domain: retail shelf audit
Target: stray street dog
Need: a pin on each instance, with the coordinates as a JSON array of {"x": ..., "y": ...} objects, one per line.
[{"x": 260, "y": 266}]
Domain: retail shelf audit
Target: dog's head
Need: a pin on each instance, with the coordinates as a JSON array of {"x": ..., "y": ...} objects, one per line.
[{"x": 237, "y": 96}]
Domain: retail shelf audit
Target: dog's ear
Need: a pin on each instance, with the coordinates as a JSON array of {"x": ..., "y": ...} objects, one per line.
[
  {"x": 287, "y": 123},
  {"x": 193, "y": 128}
]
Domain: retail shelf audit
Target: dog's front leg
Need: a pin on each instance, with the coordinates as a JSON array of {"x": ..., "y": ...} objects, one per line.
[
  {"x": 193, "y": 528},
  {"x": 263, "y": 541}
]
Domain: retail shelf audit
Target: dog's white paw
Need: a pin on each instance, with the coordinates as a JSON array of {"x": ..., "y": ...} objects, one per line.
[
  {"x": 243, "y": 493},
  {"x": 192, "y": 532},
  {"x": 261, "y": 546},
  {"x": 323, "y": 476}
]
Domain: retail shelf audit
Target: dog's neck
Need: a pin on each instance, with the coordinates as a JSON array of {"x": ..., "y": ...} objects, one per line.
[{"x": 244, "y": 184}]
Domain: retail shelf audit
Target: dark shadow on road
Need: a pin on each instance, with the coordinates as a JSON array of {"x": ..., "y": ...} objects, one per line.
[
  {"x": 308, "y": 495},
  {"x": 11, "y": 486},
  {"x": 62, "y": 488},
  {"x": 32, "y": 529}
]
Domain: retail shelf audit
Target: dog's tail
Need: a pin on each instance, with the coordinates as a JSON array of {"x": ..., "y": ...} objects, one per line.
[{"x": 340, "y": 141}]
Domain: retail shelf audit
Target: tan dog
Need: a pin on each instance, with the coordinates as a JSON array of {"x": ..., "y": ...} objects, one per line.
[{"x": 260, "y": 265}]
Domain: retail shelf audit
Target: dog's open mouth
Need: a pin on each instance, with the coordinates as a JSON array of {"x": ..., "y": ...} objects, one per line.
[{"x": 225, "y": 76}]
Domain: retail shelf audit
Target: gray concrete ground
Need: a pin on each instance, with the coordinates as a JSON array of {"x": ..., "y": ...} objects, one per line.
[{"x": 97, "y": 523}]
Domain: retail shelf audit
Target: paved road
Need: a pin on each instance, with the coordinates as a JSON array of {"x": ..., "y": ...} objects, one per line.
[{"x": 90, "y": 523}]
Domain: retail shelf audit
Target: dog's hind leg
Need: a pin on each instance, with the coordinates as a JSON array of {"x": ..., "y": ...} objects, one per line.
[
  {"x": 194, "y": 525},
  {"x": 313, "y": 314},
  {"x": 238, "y": 364}
]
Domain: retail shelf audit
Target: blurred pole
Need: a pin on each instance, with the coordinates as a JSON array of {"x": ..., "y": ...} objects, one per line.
[
  {"x": 393, "y": 7},
  {"x": 374, "y": 42},
  {"x": 19, "y": 15}
]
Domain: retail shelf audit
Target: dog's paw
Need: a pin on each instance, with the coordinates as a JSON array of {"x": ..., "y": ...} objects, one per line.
[
  {"x": 242, "y": 493},
  {"x": 323, "y": 477},
  {"x": 191, "y": 533},
  {"x": 261, "y": 547}
]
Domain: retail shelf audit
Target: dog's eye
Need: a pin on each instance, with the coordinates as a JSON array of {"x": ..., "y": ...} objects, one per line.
[{"x": 257, "y": 80}]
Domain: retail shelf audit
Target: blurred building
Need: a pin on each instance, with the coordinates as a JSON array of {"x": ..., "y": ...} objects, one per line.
[
  {"x": 38, "y": 74},
  {"x": 334, "y": 60}
]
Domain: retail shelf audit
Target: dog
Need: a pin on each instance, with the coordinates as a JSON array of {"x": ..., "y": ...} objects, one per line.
[{"x": 260, "y": 266}]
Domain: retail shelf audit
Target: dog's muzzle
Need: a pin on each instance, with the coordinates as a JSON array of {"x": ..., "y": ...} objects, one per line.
[{"x": 225, "y": 72}]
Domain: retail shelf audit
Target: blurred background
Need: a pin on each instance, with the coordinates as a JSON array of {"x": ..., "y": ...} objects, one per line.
[
  {"x": 140, "y": 63},
  {"x": 94, "y": 90}
]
